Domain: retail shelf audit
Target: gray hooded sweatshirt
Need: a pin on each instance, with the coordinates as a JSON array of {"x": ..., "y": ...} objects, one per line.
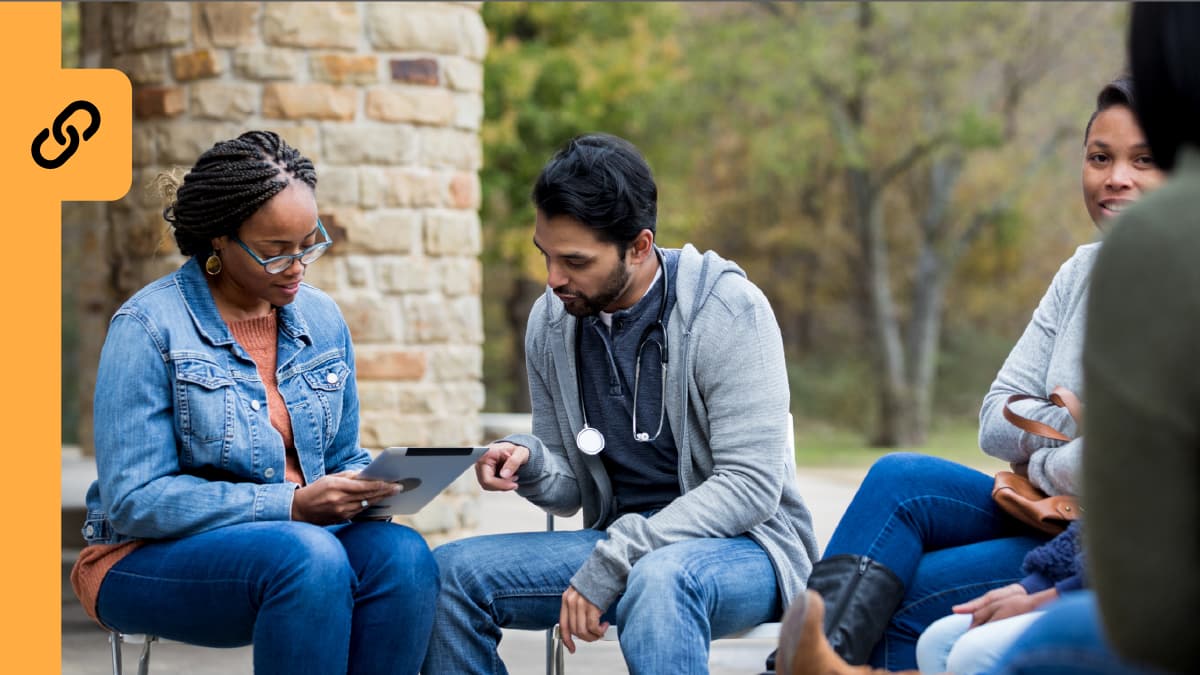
[{"x": 727, "y": 402}]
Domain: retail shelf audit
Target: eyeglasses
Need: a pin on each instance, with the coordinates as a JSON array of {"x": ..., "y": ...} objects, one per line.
[{"x": 280, "y": 263}]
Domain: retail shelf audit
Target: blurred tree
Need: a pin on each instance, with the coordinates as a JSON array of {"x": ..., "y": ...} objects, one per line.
[
  {"x": 851, "y": 155},
  {"x": 553, "y": 71},
  {"x": 70, "y": 35}
]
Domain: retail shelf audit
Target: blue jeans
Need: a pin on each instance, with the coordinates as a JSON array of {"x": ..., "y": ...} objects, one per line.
[
  {"x": 1066, "y": 640},
  {"x": 676, "y": 599},
  {"x": 934, "y": 524},
  {"x": 354, "y": 598}
]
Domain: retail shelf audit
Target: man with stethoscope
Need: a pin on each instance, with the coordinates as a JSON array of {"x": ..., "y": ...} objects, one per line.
[{"x": 660, "y": 406}]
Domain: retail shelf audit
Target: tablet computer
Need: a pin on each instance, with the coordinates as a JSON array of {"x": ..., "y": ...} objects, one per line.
[{"x": 422, "y": 473}]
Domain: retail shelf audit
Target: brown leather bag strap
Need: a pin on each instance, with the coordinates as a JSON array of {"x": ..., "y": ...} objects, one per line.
[
  {"x": 1065, "y": 398},
  {"x": 1061, "y": 397}
]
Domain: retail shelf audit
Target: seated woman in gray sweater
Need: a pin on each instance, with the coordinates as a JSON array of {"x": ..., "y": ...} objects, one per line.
[{"x": 923, "y": 534}]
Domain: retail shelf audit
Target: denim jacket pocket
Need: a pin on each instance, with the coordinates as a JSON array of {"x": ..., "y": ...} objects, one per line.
[
  {"x": 204, "y": 408},
  {"x": 327, "y": 382},
  {"x": 329, "y": 376}
]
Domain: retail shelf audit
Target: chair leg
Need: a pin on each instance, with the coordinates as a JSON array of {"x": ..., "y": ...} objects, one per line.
[
  {"x": 144, "y": 659},
  {"x": 560, "y": 665},
  {"x": 551, "y": 633},
  {"x": 114, "y": 641}
]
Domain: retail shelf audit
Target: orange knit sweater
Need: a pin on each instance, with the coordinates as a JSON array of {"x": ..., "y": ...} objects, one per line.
[{"x": 259, "y": 337}]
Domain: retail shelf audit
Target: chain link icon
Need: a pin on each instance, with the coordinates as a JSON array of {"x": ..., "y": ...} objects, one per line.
[{"x": 73, "y": 143}]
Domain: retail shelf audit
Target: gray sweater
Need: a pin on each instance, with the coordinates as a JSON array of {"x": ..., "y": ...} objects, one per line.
[
  {"x": 1047, "y": 355},
  {"x": 727, "y": 403}
]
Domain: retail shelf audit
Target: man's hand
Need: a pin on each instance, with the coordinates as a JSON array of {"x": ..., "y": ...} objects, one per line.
[
  {"x": 1004, "y": 602},
  {"x": 337, "y": 497},
  {"x": 580, "y": 618},
  {"x": 497, "y": 468}
]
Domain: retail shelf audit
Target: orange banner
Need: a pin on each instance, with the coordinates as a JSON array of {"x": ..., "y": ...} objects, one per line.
[{"x": 65, "y": 136}]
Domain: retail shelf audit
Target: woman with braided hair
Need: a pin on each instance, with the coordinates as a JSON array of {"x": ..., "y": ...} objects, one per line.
[{"x": 226, "y": 433}]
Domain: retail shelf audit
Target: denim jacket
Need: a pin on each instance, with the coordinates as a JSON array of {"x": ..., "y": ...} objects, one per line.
[{"x": 184, "y": 442}]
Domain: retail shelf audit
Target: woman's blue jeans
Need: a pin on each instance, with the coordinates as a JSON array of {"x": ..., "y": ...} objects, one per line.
[
  {"x": 354, "y": 598},
  {"x": 676, "y": 599},
  {"x": 934, "y": 524}
]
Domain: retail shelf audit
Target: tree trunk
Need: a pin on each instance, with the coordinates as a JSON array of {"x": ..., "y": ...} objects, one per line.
[
  {"x": 897, "y": 417},
  {"x": 896, "y": 401},
  {"x": 929, "y": 288},
  {"x": 522, "y": 294},
  {"x": 804, "y": 320},
  {"x": 924, "y": 336}
]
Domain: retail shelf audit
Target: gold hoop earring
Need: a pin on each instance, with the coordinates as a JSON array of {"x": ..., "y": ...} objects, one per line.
[{"x": 213, "y": 264}]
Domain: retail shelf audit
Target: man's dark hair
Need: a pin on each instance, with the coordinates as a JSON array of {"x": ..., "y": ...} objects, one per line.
[
  {"x": 603, "y": 182},
  {"x": 1117, "y": 92},
  {"x": 229, "y": 182},
  {"x": 1164, "y": 56}
]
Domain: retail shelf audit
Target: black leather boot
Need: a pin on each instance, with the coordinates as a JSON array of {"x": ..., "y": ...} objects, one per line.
[
  {"x": 860, "y": 597},
  {"x": 804, "y": 649}
]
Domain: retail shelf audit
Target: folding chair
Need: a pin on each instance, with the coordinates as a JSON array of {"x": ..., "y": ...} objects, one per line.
[
  {"x": 117, "y": 638},
  {"x": 556, "y": 661}
]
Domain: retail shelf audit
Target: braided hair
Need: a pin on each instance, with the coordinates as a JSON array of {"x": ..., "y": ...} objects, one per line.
[{"x": 228, "y": 183}]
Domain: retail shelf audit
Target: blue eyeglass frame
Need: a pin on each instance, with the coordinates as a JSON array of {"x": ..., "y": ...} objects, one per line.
[{"x": 317, "y": 248}]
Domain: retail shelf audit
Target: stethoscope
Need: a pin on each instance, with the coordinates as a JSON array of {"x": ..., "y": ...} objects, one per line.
[{"x": 590, "y": 440}]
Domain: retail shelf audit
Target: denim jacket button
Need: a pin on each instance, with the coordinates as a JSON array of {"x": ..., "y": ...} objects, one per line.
[
  {"x": 331, "y": 378},
  {"x": 268, "y": 472},
  {"x": 89, "y": 531},
  {"x": 255, "y": 404}
]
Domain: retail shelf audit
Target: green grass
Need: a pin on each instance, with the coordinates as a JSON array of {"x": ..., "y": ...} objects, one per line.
[{"x": 820, "y": 445}]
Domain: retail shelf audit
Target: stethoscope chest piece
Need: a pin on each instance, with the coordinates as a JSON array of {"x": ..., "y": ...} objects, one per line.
[{"x": 589, "y": 440}]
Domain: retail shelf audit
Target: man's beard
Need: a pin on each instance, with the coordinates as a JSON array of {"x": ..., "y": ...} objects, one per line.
[{"x": 591, "y": 305}]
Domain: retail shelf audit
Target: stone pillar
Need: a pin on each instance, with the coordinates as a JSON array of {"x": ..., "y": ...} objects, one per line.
[{"x": 387, "y": 101}]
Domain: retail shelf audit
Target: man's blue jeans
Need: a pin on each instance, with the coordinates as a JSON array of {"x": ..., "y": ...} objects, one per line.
[
  {"x": 354, "y": 598},
  {"x": 934, "y": 524},
  {"x": 1067, "y": 640},
  {"x": 676, "y": 599}
]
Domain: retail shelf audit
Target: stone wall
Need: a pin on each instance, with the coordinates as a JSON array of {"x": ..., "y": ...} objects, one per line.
[{"x": 386, "y": 98}]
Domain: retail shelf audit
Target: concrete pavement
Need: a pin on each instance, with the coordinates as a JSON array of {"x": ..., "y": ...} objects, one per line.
[{"x": 85, "y": 647}]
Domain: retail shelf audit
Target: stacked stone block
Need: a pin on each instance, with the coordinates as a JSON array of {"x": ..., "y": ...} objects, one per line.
[{"x": 386, "y": 98}]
